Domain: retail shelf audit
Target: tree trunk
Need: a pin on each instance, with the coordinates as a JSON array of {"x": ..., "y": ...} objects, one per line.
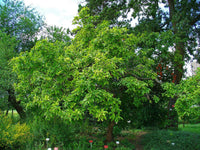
[
  {"x": 109, "y": 135},
  {"x": 12, "y": 100},
  {"x": 7, "y": 112},
  {"x": 172, "y": 115},
  {"x": 178, "y": 64}
]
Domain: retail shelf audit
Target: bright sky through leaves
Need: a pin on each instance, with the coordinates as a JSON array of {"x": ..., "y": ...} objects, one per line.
[{"x": 59, "y": 12}]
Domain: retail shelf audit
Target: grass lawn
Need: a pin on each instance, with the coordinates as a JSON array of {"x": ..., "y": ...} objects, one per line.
[
  {"x": 14, "y": 115},
  {"x": 187, "y": 138},
  {"x": 195, "y": 128}
]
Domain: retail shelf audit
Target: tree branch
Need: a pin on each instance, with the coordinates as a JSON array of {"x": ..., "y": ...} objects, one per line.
[
  {"x": 139, "y": 78},
  {"x": 128, "y": 73}
]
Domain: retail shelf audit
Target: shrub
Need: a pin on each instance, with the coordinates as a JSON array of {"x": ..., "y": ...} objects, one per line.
[{"x": 12, "y": 136}]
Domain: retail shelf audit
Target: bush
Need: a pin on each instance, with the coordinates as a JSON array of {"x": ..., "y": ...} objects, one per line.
[
  {"x": 13, "y": 136},
  {"x": 171, "y": 140}
]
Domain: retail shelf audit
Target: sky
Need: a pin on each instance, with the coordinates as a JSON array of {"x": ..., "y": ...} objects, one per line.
[{"x": 56, "y": 12}]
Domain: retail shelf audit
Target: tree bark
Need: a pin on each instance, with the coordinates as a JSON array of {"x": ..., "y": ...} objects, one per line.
[
  {"x": 109, "y": 135},
  {"x": 179, "y": 44},
  {"x": 178, "y": 65},
  {"x": 14, "y": 103}
]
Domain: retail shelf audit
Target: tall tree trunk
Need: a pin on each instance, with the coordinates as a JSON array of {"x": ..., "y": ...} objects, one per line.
[
  {"x": 109, "y": 135},
  {"x": 178, "y": 64},
  {"x": 14, "y": 103}
]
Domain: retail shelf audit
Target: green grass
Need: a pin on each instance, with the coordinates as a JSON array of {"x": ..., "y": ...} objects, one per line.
[
  {"x": 194, "y": 128},
  {"x": 14, "y": 115},
  {"x": 171, "y": 140}
]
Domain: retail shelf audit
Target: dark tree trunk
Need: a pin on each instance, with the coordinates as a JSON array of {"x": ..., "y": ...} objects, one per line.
[
  {"x": 16, "y": 104},
  {"x": 172, "y": 115},
  {"x": 7, "y": 112},
  {"x": 109, "y": 135},
  {"x": 178, "y": 65},
  {"x": 178, "y": 74}
]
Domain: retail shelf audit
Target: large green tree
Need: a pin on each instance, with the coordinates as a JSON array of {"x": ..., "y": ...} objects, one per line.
[
  {"x": 20, "y": 21},
  {"x": 90, "y": 76}
]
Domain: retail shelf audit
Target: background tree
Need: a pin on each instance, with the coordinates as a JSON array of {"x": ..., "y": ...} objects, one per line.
[
  {"x": 185, "y": 30},
  {"x": 8, "y": 78},
  {"x": 89, "y": 76},
  {"x": 21, "y": 22}
]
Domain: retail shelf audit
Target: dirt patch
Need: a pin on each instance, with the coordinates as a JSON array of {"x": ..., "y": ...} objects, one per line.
[
  {"x": 137, "y": 140},
  {"x": 134, "y": 138}
]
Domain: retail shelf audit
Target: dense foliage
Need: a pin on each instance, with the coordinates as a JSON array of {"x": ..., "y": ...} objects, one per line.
[{"x": 110, "y": 74}]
